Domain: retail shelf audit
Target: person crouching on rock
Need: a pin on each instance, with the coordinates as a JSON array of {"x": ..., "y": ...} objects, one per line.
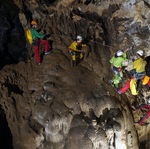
[
  {"x": 146, "y": 106},
  {"x": 75, "y": 48},
  {"x": 36, "y": 41},
  {"x": 117, "y": 60},
  {"x": 138, "y": 70}
]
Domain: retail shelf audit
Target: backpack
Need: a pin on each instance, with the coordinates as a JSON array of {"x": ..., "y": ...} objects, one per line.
[
  {"x": 133, "y": 86},
  {"x": 29, "y": 36}
]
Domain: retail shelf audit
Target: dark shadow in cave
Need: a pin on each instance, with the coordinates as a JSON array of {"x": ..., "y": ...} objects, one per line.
[
  {"x": 147, "y": 66},
  {"x": 5, "y": 133},
  {"x": 8, "y": 55},
  {"x": 12, "y": 28},
  {"x": 87, "y": 2},
  {"x": 95, "y": 18},
  {"x": 13, "y": 88},
  {"x": 143, "y": 145}
]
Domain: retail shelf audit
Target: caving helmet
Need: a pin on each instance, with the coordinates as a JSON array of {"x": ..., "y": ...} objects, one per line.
[
  {"x": 33, "y": 23},
  {"x": 79, "y": 37},
  {"x": 145, "y": 80},
  {"x": 148, "y": 101},
  {"x": 119, "y": 53},
  {"x": 140, "y": 52}
]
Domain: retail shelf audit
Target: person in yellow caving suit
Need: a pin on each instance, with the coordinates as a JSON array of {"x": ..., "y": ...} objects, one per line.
[
  {"x": 138, "y": 70},
  {"x": 75, "y": 49}
]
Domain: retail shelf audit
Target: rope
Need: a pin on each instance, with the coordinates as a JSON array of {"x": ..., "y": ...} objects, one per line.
[{"x": 66, "y": 36}]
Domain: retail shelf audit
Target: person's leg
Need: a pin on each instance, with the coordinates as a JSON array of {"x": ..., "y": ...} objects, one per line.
[
  {"x": 46, "y": 43},
  {"x": 127, "y": 85},
  {"x": 140, "y": 107},
  {"x": 118, "y": 79},
  {"x": 148, "y": 83},
  {"x": 36, "y": 48},
  {"x": 143, "y": 119},
  {"x": 73, "y": 54},
  {"x": 82, "y": 55}
]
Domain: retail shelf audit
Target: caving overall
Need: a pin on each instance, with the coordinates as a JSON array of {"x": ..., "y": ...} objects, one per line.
[
  {"x": 138, "y": 72},
  {"x": 145, "y": 116},
  {"x": 117, "y": 68},
  {"x": 74, "y": 50},
  {"x": 37, "y": 42}
]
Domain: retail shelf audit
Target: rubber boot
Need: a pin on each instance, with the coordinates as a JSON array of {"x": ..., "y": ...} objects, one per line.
[{"x": 74, "y": 63}]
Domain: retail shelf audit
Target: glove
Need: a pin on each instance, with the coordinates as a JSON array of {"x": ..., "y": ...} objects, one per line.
[
  {"x": 79, "y": 47},
  {"x": 130, "y": 47}
]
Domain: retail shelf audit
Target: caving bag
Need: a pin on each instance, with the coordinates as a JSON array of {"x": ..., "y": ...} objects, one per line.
[
  {"x": 145, "y": 80},
  {"x": 133, "y": 87},
  {"x": 29, "y": 36}
]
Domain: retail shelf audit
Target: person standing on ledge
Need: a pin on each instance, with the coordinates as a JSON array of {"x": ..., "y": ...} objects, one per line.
[
  {"x": 75, "y": 48},
  {"x": 146, "y": 106},
  {"x": 117, "y": 60},
  {"x": 36, "y": 41},
  {"x": 138, "y": 70}
]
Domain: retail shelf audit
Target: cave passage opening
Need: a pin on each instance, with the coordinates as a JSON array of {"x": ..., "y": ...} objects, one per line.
[{"x": 5, "y": 133}]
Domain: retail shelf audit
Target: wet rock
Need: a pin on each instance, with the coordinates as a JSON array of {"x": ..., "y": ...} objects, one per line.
[
  {"x": 58, "y": 99},
  {"x": 48, "y": 85}
]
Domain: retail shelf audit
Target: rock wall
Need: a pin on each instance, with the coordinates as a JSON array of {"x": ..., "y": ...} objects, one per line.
[{"x": 54, "y": 105}]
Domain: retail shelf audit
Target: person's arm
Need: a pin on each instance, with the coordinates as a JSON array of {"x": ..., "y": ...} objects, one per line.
[
  {"x": 83, "y": 45},
  {"x": 112, "y": 60},
  {"x": 73, "y": 46},
  {"x": 77, "y": 50},
  {"x": 132, "y": 58},
  {"x": 124, "y": 57},
  {"x": 37, "y": 35},
  {"x": 133, "y": 71}
]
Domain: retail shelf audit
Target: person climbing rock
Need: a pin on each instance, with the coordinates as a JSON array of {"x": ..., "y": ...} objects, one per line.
[
  {"x": 138, "y": 70},
  {"x": 117, "y": 60},
  {"x": 146, "y": 106},
  {"x": 75, "y": 49},
  {"x": 37, "y": 41}
]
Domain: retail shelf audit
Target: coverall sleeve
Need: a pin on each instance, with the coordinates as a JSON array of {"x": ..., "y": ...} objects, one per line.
[
  {"x": 112, "y": 59},
  {"x": 36, "y": 34},
  {"x": 83, "y": 45},
  {"x": 77, "y": 50},
  {"x": 134, "y": 65},
  {"x": 124, "y": 57},
  {"x": 73, "y": 46}
]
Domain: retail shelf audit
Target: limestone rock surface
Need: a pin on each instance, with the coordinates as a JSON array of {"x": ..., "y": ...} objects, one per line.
[{"x": 54, "y": 105}]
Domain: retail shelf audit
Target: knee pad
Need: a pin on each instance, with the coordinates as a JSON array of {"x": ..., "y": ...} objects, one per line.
[{"x": 72, "y": 52}]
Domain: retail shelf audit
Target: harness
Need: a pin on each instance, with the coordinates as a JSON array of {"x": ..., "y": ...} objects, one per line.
[
  {"x": 119, "y": 70},
  {"x": 135, "y": 75}
]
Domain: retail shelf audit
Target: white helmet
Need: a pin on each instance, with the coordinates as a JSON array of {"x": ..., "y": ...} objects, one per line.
[
  {"x": 148, "y": 101},
  {"x": 140, "y": 52},
  {"x": 79, "y": 37},
  {"x": 119, "y": 53}
]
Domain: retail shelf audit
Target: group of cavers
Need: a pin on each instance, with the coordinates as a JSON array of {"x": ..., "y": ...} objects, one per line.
[
  {"x": 75, "y": 49},
  {"x": 138, "y": 73}
]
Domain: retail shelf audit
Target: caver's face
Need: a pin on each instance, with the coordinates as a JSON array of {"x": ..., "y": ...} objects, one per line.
[
  {"x": 34, "y": 26},
  {"x": 79, "y": 41}
]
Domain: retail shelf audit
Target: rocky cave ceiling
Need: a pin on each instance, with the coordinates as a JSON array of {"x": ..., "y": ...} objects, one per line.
[{"x": 56, "y": 106}]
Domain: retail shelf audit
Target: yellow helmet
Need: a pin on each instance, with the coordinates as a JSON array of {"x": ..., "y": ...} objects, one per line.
[
  {"x": 33, "y": 22},
  {"x": 145, "y": 80}
]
